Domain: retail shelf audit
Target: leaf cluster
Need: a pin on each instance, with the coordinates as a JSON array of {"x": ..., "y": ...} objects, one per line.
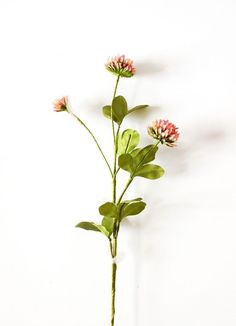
[
  {"x": 132, "y": 159},
  {"x": 113, "y": 213},
  {"x": 119, "y": 109}
]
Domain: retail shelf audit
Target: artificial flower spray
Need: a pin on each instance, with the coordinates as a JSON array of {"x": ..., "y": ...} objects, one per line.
[{"x": 126, "y": 155}]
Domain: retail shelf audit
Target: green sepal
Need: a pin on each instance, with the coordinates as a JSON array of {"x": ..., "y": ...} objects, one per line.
[
  {"x": 127, "y": 141},
  {"x": 91, "y": 226}
]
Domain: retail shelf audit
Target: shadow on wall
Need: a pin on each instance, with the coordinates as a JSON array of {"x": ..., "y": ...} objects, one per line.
[
  {"x": 147, "y": 68},
  {"x": 94, "y": 109},
  {"x": 94, "y": 105},
  {"x": 201, "y": 143},
  {"x": 198, "y": 146},
  {"x": 189, "y": 156}
]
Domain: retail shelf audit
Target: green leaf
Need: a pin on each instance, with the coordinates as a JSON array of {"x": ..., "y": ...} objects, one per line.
[
  {"x": 125, "y": 162},
  {"x": 135, "y": 152},
  {"x": 107, "y": 113},
  {"x": 133, "y": 209},
  {"x": 125, "y": 203},
  {"x": 119, "y": 108},
  {"x": 108, "y": 209},
  {"x": 150, "y": 171},
  {"x": 128, "y": 141},
  {"x": 91, "y": 226},
  {"x": 108, "y": 223},
  {"x": 145, "y": 155},
  {"x": 132, "y": 200},
  {"x": 138, "y": 107},
  {"x": 134, "y": 161}
]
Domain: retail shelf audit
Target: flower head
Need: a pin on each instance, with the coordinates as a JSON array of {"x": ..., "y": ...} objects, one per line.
[
  {"x": 164, "y": 131},
  {"x": 121, "y": 66},
  {"x": 61, "y": 104}
]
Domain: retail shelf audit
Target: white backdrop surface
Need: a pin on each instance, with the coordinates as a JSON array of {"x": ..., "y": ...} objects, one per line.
[{"x": 177, "y": 261}]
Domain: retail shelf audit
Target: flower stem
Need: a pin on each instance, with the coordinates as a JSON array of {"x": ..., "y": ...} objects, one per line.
[
  {"x": 112, "y": 120},
  {"x": 114, "y": 272},
  {"x": 117, "y": 81},
  {"x": 126, "y": 187},
  {"x": 94, "y": 138},
  {"x": 113, "y": 293},
  {"x": 115, "y": 165},
  {"x": 115, "y": 138},
  {"x": 113, "y": 242}
]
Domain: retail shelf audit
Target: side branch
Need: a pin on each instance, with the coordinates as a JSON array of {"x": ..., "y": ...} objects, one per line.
[{"x": 94, "y": 138}]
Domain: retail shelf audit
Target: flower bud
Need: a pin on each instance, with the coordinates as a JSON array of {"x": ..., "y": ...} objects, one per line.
[{"x": 61, "y": 104}]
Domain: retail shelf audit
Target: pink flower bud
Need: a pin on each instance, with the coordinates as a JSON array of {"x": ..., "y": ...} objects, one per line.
[
  {"x": 164, "y": 131},
  {"x": 61, "y": 104},
  {"x": 120, "y": 66}
]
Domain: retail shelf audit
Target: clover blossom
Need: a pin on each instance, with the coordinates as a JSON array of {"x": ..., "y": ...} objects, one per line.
[
  {"x": 164, "y": 131},
  {"x": 121, "y": 66}
]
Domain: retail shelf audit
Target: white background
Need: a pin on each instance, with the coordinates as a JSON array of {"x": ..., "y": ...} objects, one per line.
[{"x": 177, "y": 262}]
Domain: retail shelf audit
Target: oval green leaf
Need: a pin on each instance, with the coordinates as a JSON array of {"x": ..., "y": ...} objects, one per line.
[
  {"x": 125, "y": 162},
  {"x": 145, "y": 155},
  {"x": 119, "y": 108},
  {"x": 132, "y": 200},
  {"x": 107, "y": 113},
  {"x": 138, "y": 107},
  {"x": 108, "y": 209},
  {"x": 133, "y": 209},
  {"x": 150, "y": 171},
  {"x": 108, "y": 223},
  {"x": 91, "y": 226},
  {"x": 128, "y": 140}
]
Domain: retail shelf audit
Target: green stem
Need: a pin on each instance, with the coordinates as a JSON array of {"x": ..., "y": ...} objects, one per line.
[
  {"x": 112, "y": 121},
  {"x": 111, "y": 248},
  {"x": 117, "y": 82},
  {"x": 115, "y": 138},
  {"x": 115, "y": 165},
  {"x": 126, "y": 187},
  {"x": 94, "y": 138},
  {"x": 113, "y": 242},
  {"x": 114, "y": 271},
  {"x": 113, "y": 293}
]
